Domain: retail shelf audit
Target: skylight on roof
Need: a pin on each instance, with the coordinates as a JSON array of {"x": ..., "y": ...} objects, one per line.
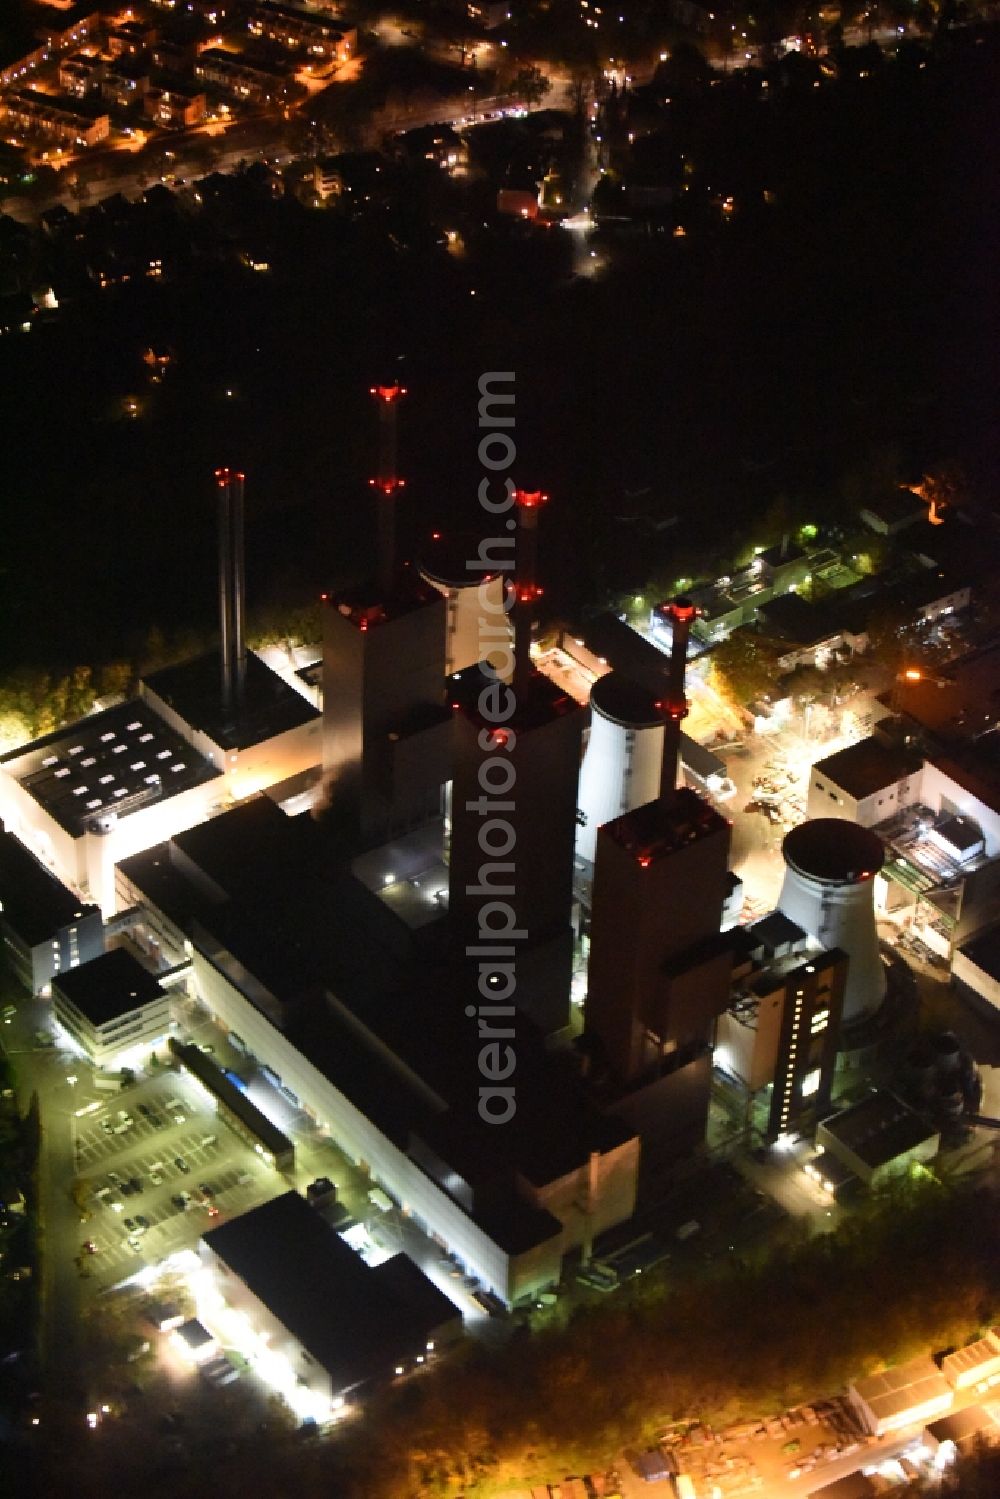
[
  {"x": 103, "y": 780},
  {"x": 95, "y": 803},
  {"x": 138, "y": 765},
  {"x": 50, "y": 760},
  {"x": 119, "y": 749},
  {"x": 121, "y": 791},
  {"x": 79, "y": 790},
  {"x": 177, "y": 767},
  {"x": 62, "y": 771},
  {"x": 77, "y": 749},
  {"x": 131, "y": 727},
  {"x": 151, "y": 780},
  {"x": 106, "y": 737},
  {"x": 90, "y": 760},
  {"x": 145, "y": 738},
  {"x": 164, "y": 754}
]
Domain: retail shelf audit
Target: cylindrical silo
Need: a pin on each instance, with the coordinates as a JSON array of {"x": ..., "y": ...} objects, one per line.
[
  {"x": 621, "y": 768},
  {"x": 478, "y": 629},
  {"x": 829, "y": 872}
]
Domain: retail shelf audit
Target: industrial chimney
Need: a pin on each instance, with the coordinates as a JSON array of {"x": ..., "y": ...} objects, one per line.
[
  {"x": 232, "y": 590},
  {"x": 387, "y": 484},
  {"x": 674, "y": 705},
  {"x": 526, "y": 589}
]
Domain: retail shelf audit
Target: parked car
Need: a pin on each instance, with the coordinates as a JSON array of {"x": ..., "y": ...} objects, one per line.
[
  {"x": 181, "y": 1164},
  {"x": 156, "y": 1177},
  {"x": 178, "y": 1202}
]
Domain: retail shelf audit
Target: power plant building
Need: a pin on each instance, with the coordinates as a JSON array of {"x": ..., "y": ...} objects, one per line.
[
  {"x": 323, "y": 984},
  {"x": 622, "y": 764},
  {"x": 780, "y": 1032}
]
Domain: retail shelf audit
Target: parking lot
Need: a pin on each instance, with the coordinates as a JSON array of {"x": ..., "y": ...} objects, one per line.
[{"x": 142, "y": 1187}]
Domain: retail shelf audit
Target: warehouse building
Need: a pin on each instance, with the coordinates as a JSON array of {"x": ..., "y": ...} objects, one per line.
[
  {"x": 340, "y": 1325},
  {"x": 911, "y": 1392}
]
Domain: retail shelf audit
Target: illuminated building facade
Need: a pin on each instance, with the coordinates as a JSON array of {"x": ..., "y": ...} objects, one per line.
[
  {"x": 780, "y": 1033},
  {"x": 44, "y": 928},
  {"x": 110, "y": 1006}
]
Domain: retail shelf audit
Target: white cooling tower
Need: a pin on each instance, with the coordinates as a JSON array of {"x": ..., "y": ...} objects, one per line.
[
  {"x": 828, "y": 891},
  {"x": 621, "y": 768},
  {"x": 477, "y": 628}
]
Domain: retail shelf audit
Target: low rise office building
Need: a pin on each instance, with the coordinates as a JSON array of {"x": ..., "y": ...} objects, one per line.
[{"x": 111, "y": 1006}]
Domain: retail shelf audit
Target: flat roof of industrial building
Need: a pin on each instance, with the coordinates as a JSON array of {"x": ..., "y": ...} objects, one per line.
[
  {"x": 878, "y": 1129},
  {"x": 357, "y": 1322},
  {"x": 118, "y": 761},
  {"x": 902, "y": 1388},
  {"x": 795, "y": 620},
  {"x": 110, "y": 986},
  {"x": 34, "y": 902},
  {"x": 194, "y": 691},
  {"x": 868, "y": 766},
  {"x": 973, "y": 1356},
  {"x": 660, "y": 828}
]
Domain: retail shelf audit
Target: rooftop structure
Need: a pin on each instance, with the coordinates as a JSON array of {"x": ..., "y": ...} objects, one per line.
[
  {"x": 878, "y": 1136},
  {"x": 112, "y": 762},
  {"x": 239, "y": 1112},
  {"x": 340, "y": 1323},
  {"x": 901, "y": 1395},
  {"x": 861, "y": 771},
  {"x": 963, "y": 1429},
  {"x": 192, "y": 691},
  {"x": 33, "y": 902},
  {"x": 974, "y": 1363}
]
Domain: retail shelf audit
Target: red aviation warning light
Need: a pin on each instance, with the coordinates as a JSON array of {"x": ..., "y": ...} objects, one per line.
[
  {"x": 530, "y": 499},
  {"x": 387, "y": 486},
  {"x": 387, "y": 393}
]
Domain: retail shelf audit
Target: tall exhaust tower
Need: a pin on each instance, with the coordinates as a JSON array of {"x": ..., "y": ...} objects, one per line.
[
  {"x": 232, "y": 590},
  {"x": 534, "y": 741},
  {"x": 386, "y": 727}
]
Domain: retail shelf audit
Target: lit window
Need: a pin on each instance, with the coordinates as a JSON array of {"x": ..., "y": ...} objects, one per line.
[
  {"x": 90, "y": 760},
  {"x": 121, "y": 791},
  {"x": 108, "y": 736},
  {"x": 145, "y": 738},
  {"x": 177, "y": 767},
  {"x": 95, "y": 803},
  {"x": 79, "y": 790},
  {"x": 119, "y": 749},
  {"x": 810, "y": 1083},
  {"x": 131, "y": 727},
  {"x": 163, "y": 754},
  {"x": 50, "y": 760},
  {"x": 151, "y": 780},
  {"x": 819, "y": 1021},
  {"x": 77, "y": 749},
  {"x": 138, "y": 765},
  {"x": 64, "y": 771},
  {"x": 104, "y": 780}
]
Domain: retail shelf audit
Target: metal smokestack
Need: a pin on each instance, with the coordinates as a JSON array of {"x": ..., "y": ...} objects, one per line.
[
  {"x": 526, "y": 589},
  {"x": 675, "y": 706},
  {"x": 239, "y": 594},
  {"x": 387, "y": 483},
  {"x": 232, "y": 590},
  {"x": 224, "y": 484}
]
